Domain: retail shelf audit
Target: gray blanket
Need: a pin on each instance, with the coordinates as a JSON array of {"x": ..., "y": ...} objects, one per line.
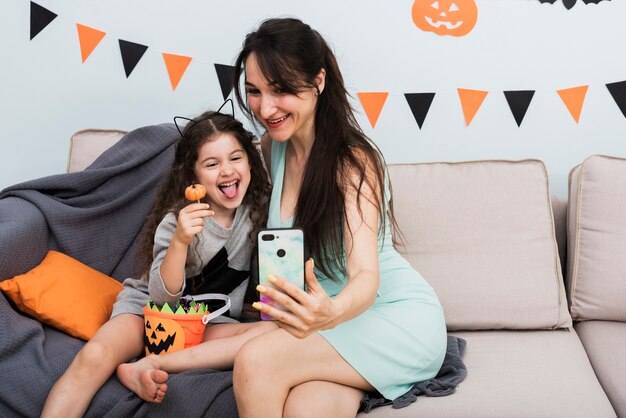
[
  {"x": 452, "y": 372},
  {"x": 94, "y": 216}
]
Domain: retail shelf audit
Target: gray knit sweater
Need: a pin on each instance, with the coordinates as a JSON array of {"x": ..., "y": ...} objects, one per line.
[{"x": 218, "y": 261}]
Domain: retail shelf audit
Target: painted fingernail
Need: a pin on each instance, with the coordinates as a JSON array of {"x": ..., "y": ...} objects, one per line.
[
  {"x": 271, "y": 278},
  {"x": 256, "y": 305},
  {"x": 260, "y": 288}
]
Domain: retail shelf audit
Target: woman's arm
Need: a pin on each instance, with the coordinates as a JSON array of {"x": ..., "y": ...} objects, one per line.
[
  {"x": 361, "y": 245},
  {"x": 314, "y": 310}
]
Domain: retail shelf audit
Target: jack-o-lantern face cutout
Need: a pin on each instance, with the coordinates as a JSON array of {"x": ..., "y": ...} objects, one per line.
[
  {"x": 162, "y": 335},
  {"x": 445, "y": 17}
]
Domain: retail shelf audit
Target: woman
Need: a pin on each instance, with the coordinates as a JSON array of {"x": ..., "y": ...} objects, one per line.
[{"x": 367, "y": 321}]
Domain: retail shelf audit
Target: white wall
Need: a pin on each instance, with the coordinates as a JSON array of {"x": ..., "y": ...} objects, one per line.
[{"x": 46, "y": 93}]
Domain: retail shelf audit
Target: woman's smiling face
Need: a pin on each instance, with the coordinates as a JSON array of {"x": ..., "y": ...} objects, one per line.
[
  {"x": 285, "y": 115},
  {"x": 224, "y": 170}
]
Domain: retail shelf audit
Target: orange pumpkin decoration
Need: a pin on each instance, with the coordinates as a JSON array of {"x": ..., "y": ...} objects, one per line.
[
  {"x": 445, "y": 17},
  {"x": 168, "y": 332},
  {"x": 162, "y": 335},
  {"x": 195, "y": 192}
]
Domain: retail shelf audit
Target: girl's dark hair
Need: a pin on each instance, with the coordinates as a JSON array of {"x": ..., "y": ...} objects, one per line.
[
  {"x": 171, "y": 197},
  {"x": 290, "y": 54}
]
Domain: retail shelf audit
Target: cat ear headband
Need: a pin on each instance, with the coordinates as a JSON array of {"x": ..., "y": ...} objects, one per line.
[{"x": 180, "y": 127}]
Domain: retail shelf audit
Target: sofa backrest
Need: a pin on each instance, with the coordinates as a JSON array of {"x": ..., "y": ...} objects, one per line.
[
  {"x": 596, "y": 268},
  {"x": 482, "y": 233}
]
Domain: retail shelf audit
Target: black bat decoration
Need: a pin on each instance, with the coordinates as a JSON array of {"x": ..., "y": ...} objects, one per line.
[{"x": 570, "y": 3}]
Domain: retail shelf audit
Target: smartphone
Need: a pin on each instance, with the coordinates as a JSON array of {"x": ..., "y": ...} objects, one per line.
[{"x": 280, "y": 253}]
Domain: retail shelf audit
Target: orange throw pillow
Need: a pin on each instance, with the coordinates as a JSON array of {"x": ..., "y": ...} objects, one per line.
[{"x": 64, "y": 293}]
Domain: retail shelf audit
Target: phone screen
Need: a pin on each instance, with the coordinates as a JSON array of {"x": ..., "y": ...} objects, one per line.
[{"x": 280, "y": 253}]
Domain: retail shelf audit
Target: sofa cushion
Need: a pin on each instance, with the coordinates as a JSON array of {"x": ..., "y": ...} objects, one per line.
[
  {"x": 596, "y": 268},
  {"x": 64, "y": 293},
  {"x": 605, "y": 342},
  {"x": 482, "y": 234},
  {"x": 517, "y": 374},
  {"x": 88, "y": 144}
]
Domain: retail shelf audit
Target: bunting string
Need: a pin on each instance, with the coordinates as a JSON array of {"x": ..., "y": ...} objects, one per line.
[
  {"x": 131, "y": 52},
  {"x": 372, "y": 101}
]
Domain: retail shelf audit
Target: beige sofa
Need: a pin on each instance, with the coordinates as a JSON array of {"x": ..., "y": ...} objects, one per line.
[{"x": 492, "y": 242}]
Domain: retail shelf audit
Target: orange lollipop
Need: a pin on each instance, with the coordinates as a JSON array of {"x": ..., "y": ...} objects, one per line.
[{"x": 195, "y": 192}]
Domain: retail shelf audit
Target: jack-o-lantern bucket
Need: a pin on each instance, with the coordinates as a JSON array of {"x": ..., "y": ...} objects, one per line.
[
  {"x": 169, "y": 332},
  {"x": 166, "y": 332}
]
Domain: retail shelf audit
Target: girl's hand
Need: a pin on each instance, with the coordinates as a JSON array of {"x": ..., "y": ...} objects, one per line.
[
  {"x": 307, "y": 312},
  {"x": 191, "y": 221}
]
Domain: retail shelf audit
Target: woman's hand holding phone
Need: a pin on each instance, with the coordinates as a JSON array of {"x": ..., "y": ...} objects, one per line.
[{"x": 307, "y": 311}]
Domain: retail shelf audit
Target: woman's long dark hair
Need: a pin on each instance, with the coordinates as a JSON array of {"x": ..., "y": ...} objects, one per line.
[
  {"x": 171, "y": 197},
  {"x": 290, "y": 55}
]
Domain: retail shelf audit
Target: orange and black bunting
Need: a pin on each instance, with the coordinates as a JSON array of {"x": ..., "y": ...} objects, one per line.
[
  {"x": 519, "y": 100},
  {"x": 89, "y": 39},
  {"x": 373, "y": 103},
  {"x": 131, "y": 54},
  {"x": 471, "y": 100},
  {"x": 176, "y": 67},
  {"x": 618, "y": 91},
  {"x": 419, "y": 104},
  {"x": 40, "y": 17},
  {"x": 574, "y": 98},
  {"x": 226, "y": 77}
]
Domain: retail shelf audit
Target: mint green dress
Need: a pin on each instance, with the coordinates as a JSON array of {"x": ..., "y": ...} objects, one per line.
[{"x": 401, "y": 339}]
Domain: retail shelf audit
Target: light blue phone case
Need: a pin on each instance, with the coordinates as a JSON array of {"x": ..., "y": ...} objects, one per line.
[{"x": 281, "y": 253}]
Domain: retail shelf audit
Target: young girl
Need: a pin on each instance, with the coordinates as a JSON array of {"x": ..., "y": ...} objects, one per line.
[{"x": 202, "y": 247}]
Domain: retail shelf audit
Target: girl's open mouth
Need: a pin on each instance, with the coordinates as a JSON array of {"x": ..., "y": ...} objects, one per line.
[{"x": 230, "y": 189}]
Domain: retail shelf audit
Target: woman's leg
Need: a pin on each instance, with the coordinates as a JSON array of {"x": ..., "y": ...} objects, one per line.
[
  {"x": 217, "y": 351},
  {"x": 117, "y": 341},
  {"x": 270, "y": 367},
  {"x": 319, "y": 399}
]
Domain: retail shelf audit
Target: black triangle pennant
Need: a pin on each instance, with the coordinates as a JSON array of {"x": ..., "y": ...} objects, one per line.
[
  {"x": 419, "y": 104},
  {"x": 519, "y": 101},
  {"x": 226, "y": 76},
  {"x": 618, "y": 91},
  {"x": 569, "y": 3},
  {"x": 131, "y": 54},
  {"x": 40, "y": 17}
]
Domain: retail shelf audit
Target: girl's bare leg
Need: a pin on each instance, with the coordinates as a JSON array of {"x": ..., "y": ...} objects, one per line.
[
  {"x": 217, "y": 351},
  {"x": 275, "y": 366},
  {"x": 117, "y": 341}
]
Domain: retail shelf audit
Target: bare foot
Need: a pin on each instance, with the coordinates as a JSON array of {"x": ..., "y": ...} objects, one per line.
[{"x": 144, "y": 379}]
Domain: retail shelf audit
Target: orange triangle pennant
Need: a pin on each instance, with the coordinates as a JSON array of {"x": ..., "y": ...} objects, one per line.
[
  {"x": 574, "y": 98},
  {"x": 373, "y": 103},
  {"x": 176, "y": 67},
  {"x": 471, "y": 100},
  {"x": 89, "y": 39}
]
